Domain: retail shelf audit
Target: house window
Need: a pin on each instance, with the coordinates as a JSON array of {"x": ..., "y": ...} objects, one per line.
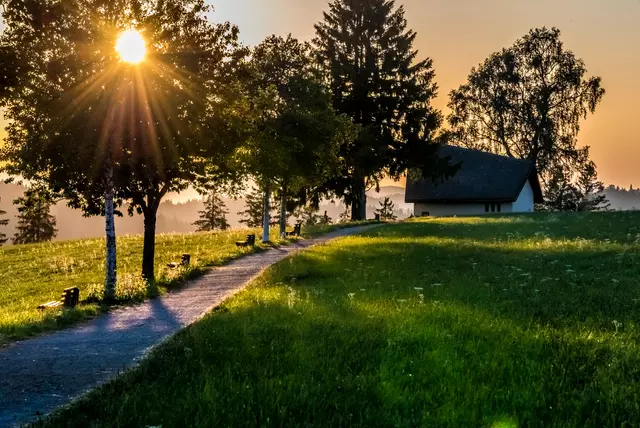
[
  {"x": 499, "y": 208},
  {"x": 486, "y": 208},
  {"x": 493, "y": 208}
]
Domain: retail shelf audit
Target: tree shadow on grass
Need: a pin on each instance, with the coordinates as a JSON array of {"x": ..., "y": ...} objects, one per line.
[{"x": 279, "y": 357}]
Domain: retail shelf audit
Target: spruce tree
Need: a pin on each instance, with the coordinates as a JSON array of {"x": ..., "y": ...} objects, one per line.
[
  {"x": 386, "y": 210},
  {"x": 35, "y": 224},
  {"x": 3, "y": 222},
  {"x": 377, "y": 80},
  {"x": 253, "y": 214},
  {"x": 214, "y": 215}
]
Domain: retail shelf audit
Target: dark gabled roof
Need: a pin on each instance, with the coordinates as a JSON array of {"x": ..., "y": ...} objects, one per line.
[{"x": 482, "y": 177}]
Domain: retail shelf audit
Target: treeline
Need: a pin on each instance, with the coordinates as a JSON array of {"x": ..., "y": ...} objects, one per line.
[{"x": 302, "y": 120}]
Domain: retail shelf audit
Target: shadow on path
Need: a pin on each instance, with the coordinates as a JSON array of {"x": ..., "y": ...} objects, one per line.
[{"x": 41, "y": 374}]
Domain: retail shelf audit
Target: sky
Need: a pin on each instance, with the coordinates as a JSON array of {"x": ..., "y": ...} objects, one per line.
[{"x": 460, "y": 34}]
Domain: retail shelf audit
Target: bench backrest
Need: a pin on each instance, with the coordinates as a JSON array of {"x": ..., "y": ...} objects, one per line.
[{"x": 71, "y": 297}]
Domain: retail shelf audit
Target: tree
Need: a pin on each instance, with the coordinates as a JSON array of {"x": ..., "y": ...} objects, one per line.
[
  {"x": 527, "y": 102},
  {"x": 386, "y": 210},
  {"x": 3, "y": 222},
  {"x": 101, "y": 131},
  {"x": 35, "y": 223},
  {"x": 308, "y": 215},
  {"x": 253, "y": 214},
  {"x": 213, "y": 217},
  {"x": 367, "y": 52},
  {"x": 296, "y": 134},
  {"x": 325, "y": 219},
  {"x": 576, "y": 188}
]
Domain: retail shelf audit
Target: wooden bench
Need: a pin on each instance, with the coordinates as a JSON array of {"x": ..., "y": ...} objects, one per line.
[
  {"x": 297, "y": 230},
  {"x": 250, "y": 242},
  {"x": 70, "y": 299},
  {"x": 185, "y": 262}
]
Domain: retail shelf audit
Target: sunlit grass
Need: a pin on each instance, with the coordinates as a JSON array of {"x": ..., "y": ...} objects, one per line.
[
  {"x": 35, "y": 274},
  {"x": 499, "y": 322}
]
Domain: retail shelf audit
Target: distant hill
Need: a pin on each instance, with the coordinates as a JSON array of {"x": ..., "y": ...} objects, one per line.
[{"x": 623, "y": 199}]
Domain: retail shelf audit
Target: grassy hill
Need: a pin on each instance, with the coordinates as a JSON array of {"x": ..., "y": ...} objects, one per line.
[{"x": 497, "y": 322}]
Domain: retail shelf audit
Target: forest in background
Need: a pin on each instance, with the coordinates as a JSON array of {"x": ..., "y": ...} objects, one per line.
[{"x": 174, "y": 217}]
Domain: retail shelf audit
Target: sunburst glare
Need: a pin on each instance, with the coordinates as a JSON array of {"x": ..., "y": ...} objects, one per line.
[{"x": 131, "y": 46}]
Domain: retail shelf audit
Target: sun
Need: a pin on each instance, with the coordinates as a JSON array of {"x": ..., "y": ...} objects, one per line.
[{"x": 131, "y": 47}]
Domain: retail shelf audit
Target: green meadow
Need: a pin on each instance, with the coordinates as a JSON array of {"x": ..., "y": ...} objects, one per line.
[
  {"x": 507, "y": 321},
  {"x": 35, "y": 274}
]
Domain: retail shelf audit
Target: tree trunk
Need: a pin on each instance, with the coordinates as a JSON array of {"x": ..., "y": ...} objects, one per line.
[
  {"x": 149, "y": 245},
  {"x": 110, "y": 228},
  {"x": 283, "y": 213},
  {"x": 359, "y": 205},
  {"x": 267, "y": 215}
]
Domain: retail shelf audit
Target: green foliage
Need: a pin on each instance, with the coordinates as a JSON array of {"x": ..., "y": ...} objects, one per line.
[
  {"x": 75, "y": 109},
  {"x": 214, "y": 215},
  {"x": 583, "y": 193},
  {"x": 386, "y": 210},
  {"x": 463, "y": 322},
  {"x": 308, "y": 216},
  {"x": 35, "y": 223},
  {"x": 367, "y": 52},
  {"x": 252, "y": 216},
  {"x": 3, "y": 222},
  {"x": 527, "y": 101},
  {"x": 296, "y": 135}
]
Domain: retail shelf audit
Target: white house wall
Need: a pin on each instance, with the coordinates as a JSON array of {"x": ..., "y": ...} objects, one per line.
[
  {"x": 448, "y": 210},
  {"x": 524, "y": 203}
]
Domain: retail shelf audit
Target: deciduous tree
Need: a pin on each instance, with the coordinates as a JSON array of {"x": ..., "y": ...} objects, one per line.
[
  {"x": 81, "y": 119},
  {"x": 296, "y": 133},
  {"x": 527, "y": 101},
  {"x": 377, "y": 80}
]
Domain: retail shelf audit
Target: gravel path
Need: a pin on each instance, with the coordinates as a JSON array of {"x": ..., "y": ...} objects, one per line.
[{"x": 41, "y": 374}]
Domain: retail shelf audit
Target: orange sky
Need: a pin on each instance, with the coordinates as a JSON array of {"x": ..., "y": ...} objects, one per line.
[{"x": 459, "y": 34}]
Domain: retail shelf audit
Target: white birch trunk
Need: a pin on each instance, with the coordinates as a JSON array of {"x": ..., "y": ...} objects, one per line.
[
  {"x": 267, "y": 215},
  {"x": 283, "y": 213},
  {"x": 110, "y": 278}
]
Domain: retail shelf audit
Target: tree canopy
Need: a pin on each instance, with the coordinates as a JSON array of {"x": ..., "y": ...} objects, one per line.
[
  {"x": 378, "y": 81},
  {"x": 296, "y": 134},
  {"x": 527, "y": 101},
  {"x": 76, "y": 110}
]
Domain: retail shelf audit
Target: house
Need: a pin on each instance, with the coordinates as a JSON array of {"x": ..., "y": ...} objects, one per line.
[{"x": 485, "y": 183}]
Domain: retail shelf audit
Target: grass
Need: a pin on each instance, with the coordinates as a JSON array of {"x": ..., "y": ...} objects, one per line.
[
  {"x": 496, "y": 322},
  {"x": 35, "y": 274}
]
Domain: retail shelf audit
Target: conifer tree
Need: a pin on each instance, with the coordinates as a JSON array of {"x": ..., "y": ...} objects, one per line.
[
  {"x": 3, "y": 222},
  {"x": 386, "y": 210},
  {"x": 377, "y": 80},
  {"x": 214, "y": 215},
  {"x": 252, "y": 216},
  {"x": 35, "y": 223}
]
